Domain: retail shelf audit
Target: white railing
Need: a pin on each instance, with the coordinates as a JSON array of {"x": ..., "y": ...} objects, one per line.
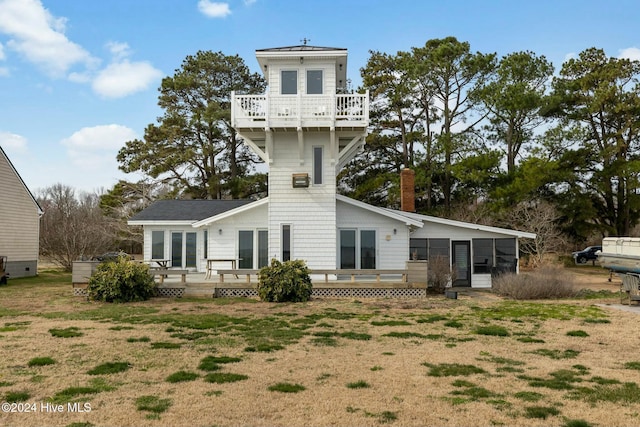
[{"x": 299, "y": 108}]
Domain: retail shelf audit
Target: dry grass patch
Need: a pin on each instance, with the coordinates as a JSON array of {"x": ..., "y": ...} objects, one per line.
[
  {"x": 487, "y": 382},
  {"x": 544, "y": 283}
]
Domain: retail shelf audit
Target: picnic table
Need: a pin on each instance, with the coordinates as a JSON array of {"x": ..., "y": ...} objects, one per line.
[{"x": 212, "y": 261}]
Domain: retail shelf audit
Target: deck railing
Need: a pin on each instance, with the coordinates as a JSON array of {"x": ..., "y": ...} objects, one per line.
[{"x": 250, "y": 110}]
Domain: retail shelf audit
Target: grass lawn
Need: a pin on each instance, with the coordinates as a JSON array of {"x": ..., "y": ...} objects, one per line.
[{"x": 328, "y": 362}]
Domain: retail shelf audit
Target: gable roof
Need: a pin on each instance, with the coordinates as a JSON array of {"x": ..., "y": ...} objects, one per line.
[
  {"x": 389, "y": 213},
  {"x": 183, "y": 211},
  {"x": 13, "y": 169},
  {"x": 468, "y": 225},
  {"x": 231, "y": 212}
]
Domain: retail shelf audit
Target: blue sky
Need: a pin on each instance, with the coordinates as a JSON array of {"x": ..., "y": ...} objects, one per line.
[{"x": 79, "y": 78}]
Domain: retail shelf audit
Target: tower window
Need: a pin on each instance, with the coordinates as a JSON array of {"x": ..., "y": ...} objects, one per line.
[
  {"x": 289, "y": 83},
  {"x": 317, "y": 165},
  {"x": 314, "y": 82}
]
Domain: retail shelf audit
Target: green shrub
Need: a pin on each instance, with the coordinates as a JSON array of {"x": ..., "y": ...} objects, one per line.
[
  {"x": 122, "y": 280},
  {"x": 287, "y": 281}
]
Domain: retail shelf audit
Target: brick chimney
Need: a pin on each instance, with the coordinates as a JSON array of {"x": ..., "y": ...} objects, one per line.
[{"x": 407, "y": 190}]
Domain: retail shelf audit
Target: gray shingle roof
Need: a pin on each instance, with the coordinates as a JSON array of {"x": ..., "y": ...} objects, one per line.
[{"x": 186, "y": 210}]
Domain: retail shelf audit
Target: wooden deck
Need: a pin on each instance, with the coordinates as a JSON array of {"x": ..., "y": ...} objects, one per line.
[{"x": 198, "y": 286}]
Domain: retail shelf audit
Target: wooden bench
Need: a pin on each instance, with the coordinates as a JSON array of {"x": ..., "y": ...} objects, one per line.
[
  {"x": 164, "y": 272},
  {"x": 362, "y": 272},
  {"x": 237, "y": 272},
  {"x": 337, "y": 272}
]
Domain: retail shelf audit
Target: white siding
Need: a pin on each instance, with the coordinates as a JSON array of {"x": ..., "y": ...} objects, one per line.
[
  {"x": 223, "y": 234},
  {"x": 392, "y": 235},
  {"x": 480, "y": 280},
  {"x": 19, "y": 220},
  {"x": 310, "y": 211},
  {"x": 328, "y": 72}
]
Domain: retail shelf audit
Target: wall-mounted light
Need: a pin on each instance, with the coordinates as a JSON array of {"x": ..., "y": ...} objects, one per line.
[
  {"x": 340, "y": 66},
  {"x": 265, "y": 67},
  {"x": 220, "y": 231},
  {"x": 395, "y": 231},
  {"x": 301, "y": 59}
]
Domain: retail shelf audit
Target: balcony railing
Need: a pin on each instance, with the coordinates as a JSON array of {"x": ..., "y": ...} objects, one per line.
[{"x": 338, "y": 110}]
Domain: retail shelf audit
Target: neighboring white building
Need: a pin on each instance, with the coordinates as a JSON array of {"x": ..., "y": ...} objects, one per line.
[
  {"x": 306, "y": 131},
  {"x": 19, "y": 222}
]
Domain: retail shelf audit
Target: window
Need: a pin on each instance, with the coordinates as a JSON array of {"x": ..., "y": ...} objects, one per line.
[
  {"x": 506, "y": 255},
  {"x": 206, "y": 244},
  {"x": 367, "y": 249},
  {"x": 482, "y": 256},
  {"x": 439, "y": 248},
  {"x": 289, "y": 83},
  {"x": 348, "y": 249},
  {"x": 190, "y": 250},
  {"x": 176, "y": 249},
  {"x": 317, "y": 165},
  {"x": 245, "y": 249},
  {"x": 314, "y": 82},
  {"x": 418, "y": 249},
  {"x": 157, "y": 245},
  {"x": 423, "y": 249},
  {"x": 263, "y": 248},
  {"x": 286, "y": 242},
  {"x": 357, "y": 249}
]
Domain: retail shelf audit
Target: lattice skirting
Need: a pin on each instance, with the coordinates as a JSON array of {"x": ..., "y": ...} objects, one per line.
[
  {"x": 160, "y": 292},
  {"x": 335, "y": 293},
  {"x": 79, "y": 292},
  {"x": 170, "y": 292}
]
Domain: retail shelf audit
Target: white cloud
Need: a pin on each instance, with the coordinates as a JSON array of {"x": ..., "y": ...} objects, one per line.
[
  {"x": 213, "y": 9},
  {"x": 94, "y": 149},
  {"x": 124, "y": 78},
  {"x": 119, "y": 50},
  {"x": 249, "y": 2},
  {"x": 4, "y": 72},
  {"x": 13, "y": 143},
  {"x": 39, "y": 37},
  {"x": 568, "y": 56},
  {"x": 632, "y": 53},
  {"x": 2, "y": 55}
]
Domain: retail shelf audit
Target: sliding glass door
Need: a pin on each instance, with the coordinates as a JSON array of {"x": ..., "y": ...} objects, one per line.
[{"x": 357, "y": 249}]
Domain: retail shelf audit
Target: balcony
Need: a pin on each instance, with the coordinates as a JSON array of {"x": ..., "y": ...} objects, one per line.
[{"x": 339, "y": 111}]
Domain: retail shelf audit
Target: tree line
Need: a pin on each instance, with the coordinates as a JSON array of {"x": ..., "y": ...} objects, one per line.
[{"x": 507, "y": 141}]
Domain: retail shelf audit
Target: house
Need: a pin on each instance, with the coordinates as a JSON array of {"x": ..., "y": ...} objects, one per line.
[
  {"x": 306, "y": 130},
  {"x": 19, "y": 222}
]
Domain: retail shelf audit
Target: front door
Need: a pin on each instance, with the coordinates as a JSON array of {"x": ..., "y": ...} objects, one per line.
[{"x": 461, "y": 251}]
